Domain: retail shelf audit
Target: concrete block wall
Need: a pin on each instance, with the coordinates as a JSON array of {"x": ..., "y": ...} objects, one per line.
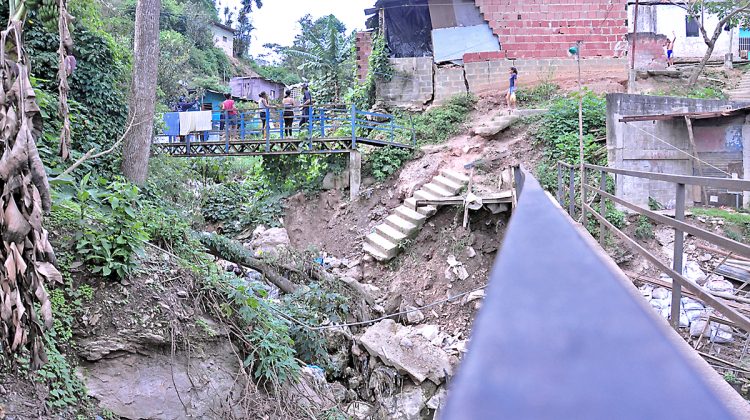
[
  {"x": 363, "y": 47},
  {"x": 650, "y": 53},
  {"x": 449, "y": 82},
  {"x": 652, "y": 146},
  {"x": 546, "y": 29},
  {"x": 486, "y": 72},
  {"x": 412, "y": 83}
]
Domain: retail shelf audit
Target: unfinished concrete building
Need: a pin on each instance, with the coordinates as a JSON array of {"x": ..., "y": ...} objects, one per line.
[{"x": 441, "y": 48}]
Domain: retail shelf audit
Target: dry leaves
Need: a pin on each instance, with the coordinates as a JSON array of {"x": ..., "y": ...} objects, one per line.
[{"x": 26, "y": 254}]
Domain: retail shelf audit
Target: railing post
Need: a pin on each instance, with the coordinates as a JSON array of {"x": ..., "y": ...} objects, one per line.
[
  {"x": 281, "y": 123},
  {"x": 572, "y": 191},
  {"x": 679, "y": 215},
  {"x": 603, "y": 209},
  {"x": 309, "y": 119},
  {"x": 241, "y": 117},
  {"x": 393, "y": 131},
  {"x": 225, "y": 115},
  {"x": 322, "y": 122},
  {"x": 413, "y": 133},
  {"x": 559, "y": 183},
  {"x": 583, "y": 198},
  {"x": 267, "y": 129},
  {"x": 354, "y": 128},
  {"x": 187, "y": 144}
]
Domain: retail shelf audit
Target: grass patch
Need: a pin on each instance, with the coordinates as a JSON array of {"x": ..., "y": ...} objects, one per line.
[{"x": 728, "y": 216}]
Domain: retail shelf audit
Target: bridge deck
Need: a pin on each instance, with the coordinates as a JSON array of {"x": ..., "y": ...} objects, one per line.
[{"x": 323, "y": 130}]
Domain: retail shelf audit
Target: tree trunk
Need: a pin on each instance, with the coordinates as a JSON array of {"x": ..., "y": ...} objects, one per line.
[
  {"x": 137, "y": 146},
  {"x": 698, "y": 70}
]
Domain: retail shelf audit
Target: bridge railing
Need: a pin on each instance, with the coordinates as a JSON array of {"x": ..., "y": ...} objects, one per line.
[
  {"x": 594, "y": 179},
  {"x": 563, "y": 334},
  {"x": 308, "y": 123}
]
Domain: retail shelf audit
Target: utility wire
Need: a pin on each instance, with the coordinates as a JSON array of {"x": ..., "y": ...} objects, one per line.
[
  {"x": 680, "y": 150},
  {"x": 372, "y": 321}
]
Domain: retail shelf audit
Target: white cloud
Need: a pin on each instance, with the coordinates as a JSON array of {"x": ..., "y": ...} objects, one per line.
[{"x": 276, "y": 21}]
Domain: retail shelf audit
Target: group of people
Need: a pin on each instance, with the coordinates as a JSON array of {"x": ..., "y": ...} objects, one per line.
[{"x": 288, "y": 104}]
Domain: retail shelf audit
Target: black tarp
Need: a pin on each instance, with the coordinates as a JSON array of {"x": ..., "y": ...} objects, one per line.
[{"x": 408, "y": 28}]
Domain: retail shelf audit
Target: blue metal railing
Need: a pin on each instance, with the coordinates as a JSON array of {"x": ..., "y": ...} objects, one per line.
[
  {"x": 305, "y": 123},
  {"x": 563, "y": 334}
]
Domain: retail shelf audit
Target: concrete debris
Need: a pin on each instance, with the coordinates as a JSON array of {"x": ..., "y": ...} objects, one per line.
[
  {"x": 360, "y": 410},
  {"x": 438, "y": 400},
  {"x": 660, "y": 293},
  {"x": 717, "y": 333},
  {"x": 470, "y": 252},
  {"x": 430, "y": 332},
  {"x": 475, "y": 295},
  {"x": 455, "y": 270},
  {"x": 692, "y": 271},
  {"x": 406, "y": 405},
  {"x": 421, "y": 362},
  {"x": 704, "y": 258},
  {"x": 414, "y": 316},
  {"x": 720, "y": 286}
]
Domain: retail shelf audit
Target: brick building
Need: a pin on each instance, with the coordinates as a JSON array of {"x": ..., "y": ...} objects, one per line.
[
  {"x": 363, "y": 46},
  {"x": 455, "y": 46}
]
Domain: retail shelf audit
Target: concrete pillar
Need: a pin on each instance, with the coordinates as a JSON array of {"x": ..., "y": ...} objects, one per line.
[
  {"x": 746, "y": 159},
  {"x": 355, "y": 174}
]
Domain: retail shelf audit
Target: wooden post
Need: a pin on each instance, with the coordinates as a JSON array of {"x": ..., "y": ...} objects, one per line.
[{"x": 468, "y": 191}]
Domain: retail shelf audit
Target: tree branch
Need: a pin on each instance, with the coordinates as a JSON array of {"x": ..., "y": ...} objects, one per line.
[{"x": 90, "y": 155}]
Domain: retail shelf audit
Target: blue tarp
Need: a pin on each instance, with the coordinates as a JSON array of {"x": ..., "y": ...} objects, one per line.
[{"x": 172, "y": 123}]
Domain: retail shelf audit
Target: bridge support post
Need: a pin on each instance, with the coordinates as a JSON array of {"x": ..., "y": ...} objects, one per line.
[
  {"x": 679, "y": 237},
  {"x": 355, "y": 174}
]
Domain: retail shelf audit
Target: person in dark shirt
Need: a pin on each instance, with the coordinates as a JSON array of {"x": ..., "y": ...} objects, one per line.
[
  {"x": 510, "y": 97},
  {"x": 306, "y": 106}
]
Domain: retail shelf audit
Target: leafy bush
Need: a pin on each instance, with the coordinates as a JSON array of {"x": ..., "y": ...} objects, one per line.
[
  {"x": 110, "y": 246},
  {"x": 385, "y": 161},
  {"x": 562, "y": 118},
  {"x": 644, "y": 230},
  {"x": 539, "y": 94},
  {"x": 440, "y": 123},
  {"x": 240, "y": 205}
]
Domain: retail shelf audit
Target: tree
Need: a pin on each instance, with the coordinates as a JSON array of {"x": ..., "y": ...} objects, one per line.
[
  {"x": 244, "y": 28},
  {"x": 325, "y": 52},
  {"x": 730, "y": 13},
  {"x": 136, "y": 150},
  {"x": 27, "y": 256}
]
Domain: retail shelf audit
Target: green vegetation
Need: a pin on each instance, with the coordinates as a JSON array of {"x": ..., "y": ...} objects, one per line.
[
  {"x": 736, "y": 224},
  {"x": 379, "y": 70},
  {"x": 645, "y": 229},
  {"x": 707, "y": 92},
  {"x": 442, "y": 122},
  {"x": 385, "y": 161},
  {"x": 539, "y": 95}
]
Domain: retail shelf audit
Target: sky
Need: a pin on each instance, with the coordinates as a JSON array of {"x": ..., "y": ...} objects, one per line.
[{"x": 276, "y": 21}]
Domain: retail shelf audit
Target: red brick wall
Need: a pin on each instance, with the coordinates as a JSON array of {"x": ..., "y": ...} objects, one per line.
[
  {"x": 547, "y": 28},
  {"x": 364, "y": 49}
]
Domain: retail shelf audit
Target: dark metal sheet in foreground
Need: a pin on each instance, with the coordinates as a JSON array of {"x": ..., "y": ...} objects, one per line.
[{"x": 561, "y": 336}]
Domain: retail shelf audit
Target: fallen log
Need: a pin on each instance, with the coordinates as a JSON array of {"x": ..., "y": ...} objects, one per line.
[{"x": 232, "y": 251}]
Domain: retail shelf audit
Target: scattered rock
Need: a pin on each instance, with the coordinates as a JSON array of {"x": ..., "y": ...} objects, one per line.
[
  {"x": 430, "y": 332},
  {"x": 720, "y": 286},
  {"x": 704, "y": 258},
  {"x": 438, "y": 400},
  {"x": 311, "y": 390},
  {"x": 334, "y": 181},
  {"x": 717, "y": 333},
  {"x": 422, "y": 361},
  {"x": 475, "y": 295},
  {"x": 182, "y": 294},
  {"x": 692, "y": 271},
  {"x": 660, "y": 293},
  {"x": 360, "y": 410},
  {"x": 414, "y": 316},
  {"x": 470, "y": 252},
  {"x": 405, "y": 406}
]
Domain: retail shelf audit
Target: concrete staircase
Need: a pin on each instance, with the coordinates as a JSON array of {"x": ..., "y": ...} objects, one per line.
[
  {"x": 406, "y": 220},
  {"x": 742, "y": 91}
]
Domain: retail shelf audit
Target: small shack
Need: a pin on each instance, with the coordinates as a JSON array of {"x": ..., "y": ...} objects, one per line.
[
  {"x": 681, "y": 136},
  {"x": 249, "y": 87}
]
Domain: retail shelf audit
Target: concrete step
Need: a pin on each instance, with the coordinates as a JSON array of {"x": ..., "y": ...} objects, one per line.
[
  {"x": 382, "y": 245},
  {"x": 390, "y": 233},
  {"x": 427, "y": 211},
  {"x": 452, "y": 186},
  {"x": 401, "y": 225},
  {"x": 409, "y": 214},
  {"x": 375, "y": 253},
  {"x": 436, "y": 190},
  {"x": 455, "y": 176}
]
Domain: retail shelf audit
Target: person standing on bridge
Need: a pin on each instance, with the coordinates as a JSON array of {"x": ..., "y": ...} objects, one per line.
[
  {"x": 306, "y": 105},
  {"x": 230, "y": 112},
  {"x": 264, "y": 112},
  {"x": 289, "y": 105}
]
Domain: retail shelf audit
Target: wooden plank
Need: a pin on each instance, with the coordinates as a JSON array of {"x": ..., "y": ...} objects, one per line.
[
  {"x": 733, "y": 272},
  {"x": 696, "y": 161},
  {"x": 458, "y": 201}
]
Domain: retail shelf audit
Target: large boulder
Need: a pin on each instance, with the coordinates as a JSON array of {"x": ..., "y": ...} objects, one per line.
[
  {"x": 408, "y": 351},
  {"x": 150, "y": 385},
  {"x": 268, "y": 241}
]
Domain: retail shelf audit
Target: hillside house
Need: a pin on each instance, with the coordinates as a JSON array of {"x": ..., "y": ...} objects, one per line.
[
  {"x": 223, "y": 38},
  {"x": 250, "y": 86},
  {"x": 660, "y": 20},
  {"x": 448, "y": 47}
]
